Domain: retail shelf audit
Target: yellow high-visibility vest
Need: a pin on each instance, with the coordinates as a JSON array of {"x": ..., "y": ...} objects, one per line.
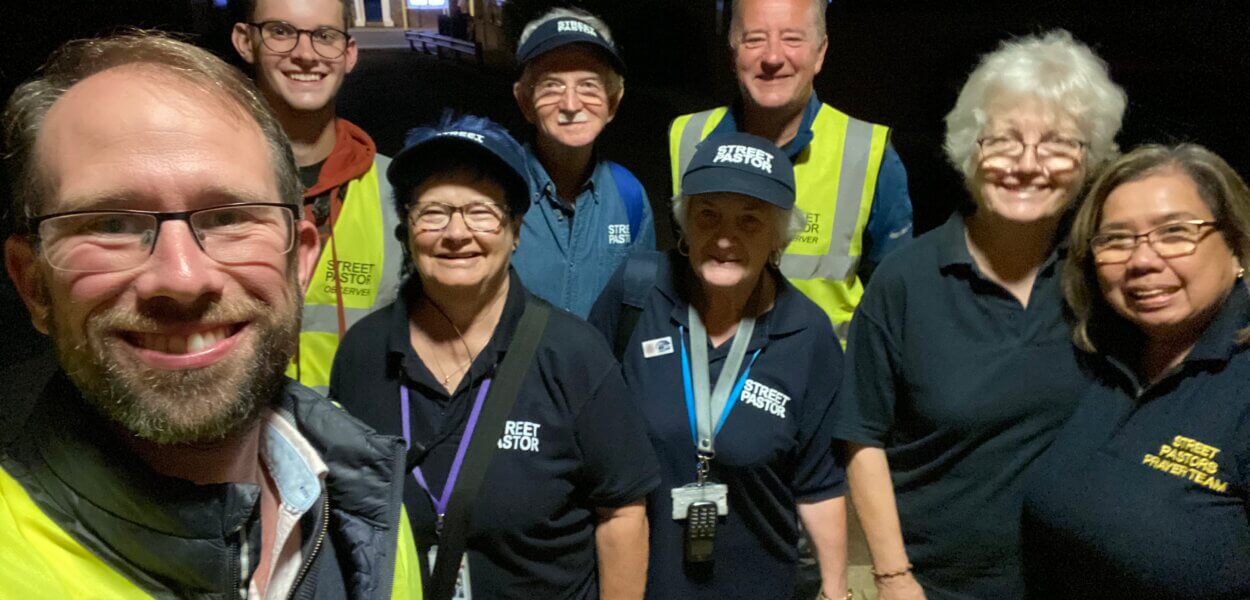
[
  {"x": 39, "y": 559},
  {"x": 368, "y": 269},
  {"x": 835, "y": 177}
]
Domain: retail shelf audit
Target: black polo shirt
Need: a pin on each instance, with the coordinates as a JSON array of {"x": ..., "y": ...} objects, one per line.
[
  {"x": 577, "y": 443},
  {"x": 1144, "y": 492},
  {"x": 775, "y": 448},
  {"x": 964, "y": 388}
]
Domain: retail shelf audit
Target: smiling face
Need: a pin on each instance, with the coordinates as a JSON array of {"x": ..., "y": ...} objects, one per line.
[
  {"x": 777, "y": 53},
  {"x": 1170, "y": 300},
  {"x": 588, "y": 102},
  {"x": 1027, "y": 188},
  {"x": 457, "y": 260},
  {"x": 180, "y": 348},
  {"x": 731, "y": 237},
  {"x": 300, "y": 80}
]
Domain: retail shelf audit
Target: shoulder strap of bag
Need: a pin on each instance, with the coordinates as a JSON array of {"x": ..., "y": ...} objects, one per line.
[
  {"x": 498, "y": 406},
  {"x": 640, "y": 272},
  {"x": 630, "y": 190}
]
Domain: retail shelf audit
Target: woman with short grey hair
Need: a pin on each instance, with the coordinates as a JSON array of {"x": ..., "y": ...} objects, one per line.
[
  {"x": 959, "y": 364},
  {"x": 735, "y": 372}
]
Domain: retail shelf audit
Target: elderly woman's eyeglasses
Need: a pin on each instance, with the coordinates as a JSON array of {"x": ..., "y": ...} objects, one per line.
[
  {"x": 482, "y": 217},
  {"x": 283, "y": 37},
  {"x": 1169, "y": 240},
  {"x": 1055, "y": 153},
  {"x": 102, "y": 241},
  {"x": 591, "y": 90}
]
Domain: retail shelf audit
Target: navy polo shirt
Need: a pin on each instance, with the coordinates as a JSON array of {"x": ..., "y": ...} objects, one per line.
[
  {"x": 964, "y": 388},
  {"x": 774, "y": 450},
  {"x": 1144, "y": 493},
  {"x": 567, "y": 253},
  {"x": 577, "y": 442}
]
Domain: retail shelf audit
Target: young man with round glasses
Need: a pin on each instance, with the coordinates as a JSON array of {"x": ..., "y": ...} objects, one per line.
[
  {"x": 586, "y": 213},
  {"x": 300, "y": 52}
]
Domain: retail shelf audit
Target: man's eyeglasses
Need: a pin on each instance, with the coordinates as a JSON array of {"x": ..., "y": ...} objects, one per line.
[
  {"x": 482, "y": 217},
  {"x": 1169, "y": 240},
  {"x": 101, "y": 241},
  {"x": 1056, "y": 153},
  {"x": 590, "y": 90},
  {"x": 283, "y": 37}
]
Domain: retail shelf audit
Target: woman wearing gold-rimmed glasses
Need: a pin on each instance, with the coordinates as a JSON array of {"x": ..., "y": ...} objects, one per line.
[
  {"x": 1144, "y": 492},
  {"x": 960, "y": 367}
]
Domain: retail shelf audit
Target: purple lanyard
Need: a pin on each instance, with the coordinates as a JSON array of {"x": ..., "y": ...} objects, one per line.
[{"x": 440, "y": 504}]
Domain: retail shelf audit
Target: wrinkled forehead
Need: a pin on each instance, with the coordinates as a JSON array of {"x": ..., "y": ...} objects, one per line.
[
  {"x": 1009, "y": 110},
  {"x": 123, "y": 124},
  {"x": 576, "y": 58}
]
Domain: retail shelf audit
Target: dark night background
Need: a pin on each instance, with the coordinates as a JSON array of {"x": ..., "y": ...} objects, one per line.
[{"x": 1185, "y": 66}]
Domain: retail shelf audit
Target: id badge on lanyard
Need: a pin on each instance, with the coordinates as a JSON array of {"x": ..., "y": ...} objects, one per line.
[
  {"x": 464, "y": 585},
  {"x": 708, "y": 410}
]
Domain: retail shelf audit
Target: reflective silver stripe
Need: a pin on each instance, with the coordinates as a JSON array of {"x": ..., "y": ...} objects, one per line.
[
  {"x": 325, "y": 317},
  {"x": 324, "y": 390},
  {"x": 691, "y": 135},
  {"x": 392, "y": 251},
  {"x": 829, "y": 266},
  {"x": 838, "y": 264}
]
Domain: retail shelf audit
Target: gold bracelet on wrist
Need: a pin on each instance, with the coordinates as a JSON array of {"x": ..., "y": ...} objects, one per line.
[
  {"x": 878, "y": 575},
  {"x": 849, "y": 596}
]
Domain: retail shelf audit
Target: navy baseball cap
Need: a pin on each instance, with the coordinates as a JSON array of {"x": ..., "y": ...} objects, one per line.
[
  {"x": 562, "y": 31},
  {"x": 470, "y": 133},
  {"x": 741, "y": 163}
]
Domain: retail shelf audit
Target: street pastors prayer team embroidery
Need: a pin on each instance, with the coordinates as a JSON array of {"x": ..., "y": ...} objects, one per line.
[{"x": 1188, "y": 459}]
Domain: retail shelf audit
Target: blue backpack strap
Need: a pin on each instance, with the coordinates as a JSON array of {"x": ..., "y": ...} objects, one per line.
[
  {"x": 630, "y": 190},
  {"x": 641, "y": 269}
]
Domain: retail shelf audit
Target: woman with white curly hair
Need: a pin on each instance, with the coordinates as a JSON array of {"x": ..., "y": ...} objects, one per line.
[{"x": 959, "y": 365}]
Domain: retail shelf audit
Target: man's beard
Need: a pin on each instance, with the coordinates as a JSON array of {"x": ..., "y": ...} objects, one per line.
[{"x": 181, "y": 406}]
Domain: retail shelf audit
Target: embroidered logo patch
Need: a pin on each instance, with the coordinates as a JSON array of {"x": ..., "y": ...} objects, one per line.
[
  {"x": 618, "y": 234},
  {"x": 1190, "y": 459},
  {"x": 519, "y": 435},
  {"x": 765, "y": 398}
]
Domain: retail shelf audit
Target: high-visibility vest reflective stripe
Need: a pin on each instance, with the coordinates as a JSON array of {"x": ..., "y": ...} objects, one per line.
[
  {"x": 842, "y": 162},
  {"x": 38, "y": 559},
  {"x": 368, "y": 268}
]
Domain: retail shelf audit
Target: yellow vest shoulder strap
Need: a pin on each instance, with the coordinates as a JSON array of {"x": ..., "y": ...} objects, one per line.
[
  {"x": 38, "y": 559},
  {"x": 684, "y": 134}
]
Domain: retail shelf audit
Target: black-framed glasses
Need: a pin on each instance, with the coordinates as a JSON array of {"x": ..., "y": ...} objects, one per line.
[
  {"x": 1056, "y": 153},
  {"x": 283, "y": 37},
  {"x": 101, "y": 241},
  {"x": 1169, "y": 240},
  {"x": 482, "y": 217},
  {"x": 591, "y": 90}
]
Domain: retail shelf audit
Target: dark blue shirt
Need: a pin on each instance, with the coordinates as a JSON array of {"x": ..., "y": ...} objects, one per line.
[
  {"x": 568, "y": 252},
  {"x": 773, "y": 451},
  {"x": 1144, "y": 492},
  {"x": 964, "y": 388},
  {"x": 574, "y": 442},
  {"x": 890, "y": 218}
]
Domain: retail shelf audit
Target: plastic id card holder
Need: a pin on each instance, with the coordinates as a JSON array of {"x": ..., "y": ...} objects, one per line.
[
  {"x": 464, "y": 589},
  {"x": 690, "y": 493}
]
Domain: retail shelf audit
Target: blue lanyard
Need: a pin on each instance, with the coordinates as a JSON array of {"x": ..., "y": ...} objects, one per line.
[{"x": 687, "y": 378}]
